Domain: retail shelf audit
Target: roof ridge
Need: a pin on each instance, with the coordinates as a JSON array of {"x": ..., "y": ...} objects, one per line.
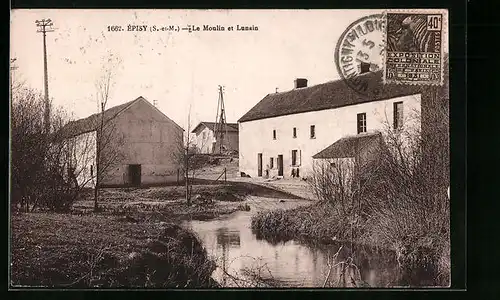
[
  {"x": 90, "y": 122},
  {"x": 108, "y": 109},
  {"x": 209, "y": 124},
  {"x": 343, "y": 146},
  {"x": 323, "y": 83},
  {"x": 327, "y": 95}
]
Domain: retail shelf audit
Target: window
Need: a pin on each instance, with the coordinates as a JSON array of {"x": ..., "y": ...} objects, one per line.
[
  {"x": 361, "y": 123},
  {"x": 294, "y": 157},
  {"x": 204, "y": 135},
  {"x": 398, "y": 115},
  {"x": 294, "y": 132},
  {"x": 274, "y": 134},
  {"x": 271, "y": 163},
  {"x": 313, "y": 131}
]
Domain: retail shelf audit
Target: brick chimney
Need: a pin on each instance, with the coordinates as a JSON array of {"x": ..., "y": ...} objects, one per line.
[
  {"x": 364, "y": 68},
  {"x": 300, "y": 83}
]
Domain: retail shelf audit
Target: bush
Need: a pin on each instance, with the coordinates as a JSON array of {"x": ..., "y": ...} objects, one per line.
[
  {"x": 411, "y": 215},
  {"x": 38, "y": 179},
  {"x": 312, "y": 224}
]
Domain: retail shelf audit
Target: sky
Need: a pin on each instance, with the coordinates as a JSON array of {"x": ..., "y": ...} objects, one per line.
[{"x": 181, "y": 70}]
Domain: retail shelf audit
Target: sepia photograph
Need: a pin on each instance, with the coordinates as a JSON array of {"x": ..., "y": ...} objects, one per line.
[{"x": 226, "y": 149}]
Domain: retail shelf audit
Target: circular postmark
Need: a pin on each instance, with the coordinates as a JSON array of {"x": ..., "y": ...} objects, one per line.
[{"x": 359, "y": 54}]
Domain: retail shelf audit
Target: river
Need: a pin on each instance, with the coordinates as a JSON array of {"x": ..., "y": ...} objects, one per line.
[{"x": 243, "y": 260}]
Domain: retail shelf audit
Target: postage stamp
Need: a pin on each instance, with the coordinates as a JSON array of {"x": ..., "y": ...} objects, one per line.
[
  {"x": 414, "y": 46},
  {"x": 359, "y": 51}
]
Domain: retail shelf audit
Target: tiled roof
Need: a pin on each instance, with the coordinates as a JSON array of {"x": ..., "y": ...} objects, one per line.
[
  {"x": 328, "y": 95},
  {"x": 350, "y": 146},
  {"x": 231, "y": 127}
]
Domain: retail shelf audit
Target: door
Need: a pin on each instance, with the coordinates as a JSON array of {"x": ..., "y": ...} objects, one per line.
[
  {"x": 259, "y": 164},
  {"x": 134, "y": 173},
  {"x": 280, "y": 165}
]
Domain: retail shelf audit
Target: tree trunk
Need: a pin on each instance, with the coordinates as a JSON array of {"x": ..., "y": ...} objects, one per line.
[
  {"x": 186, "y": 171},
  {"x": 96, "y": 188},
  {"x": 98, "y": 158},
  {"x": 96, "y": 193}
]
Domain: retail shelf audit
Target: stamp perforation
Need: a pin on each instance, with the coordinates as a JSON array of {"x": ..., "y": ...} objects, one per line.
[{"x": 444, "y": 35}]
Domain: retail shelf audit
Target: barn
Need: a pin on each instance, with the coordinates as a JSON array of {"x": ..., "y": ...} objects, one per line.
[{"x": 135, "y": 147}]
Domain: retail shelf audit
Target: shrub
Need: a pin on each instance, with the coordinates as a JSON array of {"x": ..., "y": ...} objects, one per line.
[{"x": 38, "y": 178}]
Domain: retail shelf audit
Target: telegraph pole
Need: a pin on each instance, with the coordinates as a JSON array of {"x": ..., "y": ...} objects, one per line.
[{"x": 45, "y": 25}]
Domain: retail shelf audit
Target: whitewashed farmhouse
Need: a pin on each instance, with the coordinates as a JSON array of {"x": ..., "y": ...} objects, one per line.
[
  {"x": 286, "y": 131},
  {"x": 206, "y": 141},
  {"x": 138, "y": 142}
]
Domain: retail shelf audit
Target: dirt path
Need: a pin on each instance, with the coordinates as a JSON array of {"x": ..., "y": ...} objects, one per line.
[{"x": 295, "y": 187}]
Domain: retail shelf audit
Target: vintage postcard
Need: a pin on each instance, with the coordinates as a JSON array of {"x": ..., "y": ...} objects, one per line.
[{"x": 174, "y": 149}]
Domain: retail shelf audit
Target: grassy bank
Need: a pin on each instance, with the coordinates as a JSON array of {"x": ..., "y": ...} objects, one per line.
[
  {"x": 167, "y": 203},
  {"x": 418, "y": 251},
  {"x": 313, "y": 223},
  {"x": 60, "y": 250}
]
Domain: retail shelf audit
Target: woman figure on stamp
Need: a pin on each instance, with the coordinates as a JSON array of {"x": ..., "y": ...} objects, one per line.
[{"x": 406, "y": 41}]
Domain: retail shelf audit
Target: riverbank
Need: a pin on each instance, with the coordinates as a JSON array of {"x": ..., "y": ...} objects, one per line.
[
  {"x": 155, "y": 204},
  {"x": 68, "y": 251},
  {"x": 135, "y": 240},
  {"x": 319, "y": 223},
  {"x": 312, "y": 223}
]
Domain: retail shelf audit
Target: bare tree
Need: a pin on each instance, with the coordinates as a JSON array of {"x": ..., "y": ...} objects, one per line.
[
  {"x": 95, "y": 142},
  {"x": 46, "y": 167},
  {"x": 413, "y": 216},
  {"x": 344, "y": 183},
  {"x": 37, "y": 163},
  {"x": 182, "y": 155},
  {"x": 107, "y": 137},
  {"x": 332, "y": 180},
  {"x": 27, "y": 146},
  {"x": 188, "y": 157}
]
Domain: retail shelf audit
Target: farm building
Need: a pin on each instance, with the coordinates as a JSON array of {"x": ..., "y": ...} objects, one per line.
[
  {"x": 135, "y": 147},
  {"x": 207, "y": 142},
  {"x": 285, "y": 132}
]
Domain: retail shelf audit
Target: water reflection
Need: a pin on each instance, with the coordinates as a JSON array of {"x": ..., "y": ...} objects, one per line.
[
  {"x": 239, "y": 254},
  {"x": 227, "y": 237}
]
